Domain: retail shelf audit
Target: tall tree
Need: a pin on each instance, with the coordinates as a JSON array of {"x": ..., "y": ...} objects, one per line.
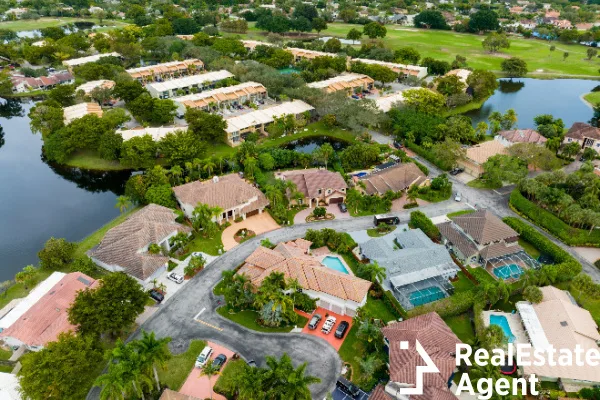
[
  {"x": 123, "y": 203},
  {"x": 154, "y": 352},
  {"x": 209, "y": 370},
  {"x": 514, "y": 67}
]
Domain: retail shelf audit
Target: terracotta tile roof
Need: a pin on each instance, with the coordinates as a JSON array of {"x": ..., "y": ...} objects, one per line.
[
  {"x": 379, "y": 394},
  {"x": 292, "y": 260},
  {"x": 484, "y": 227},
  {"x": 168, "y": 67},
  {"x": 122, "y": 244},
  {"x": 436, "y": 338},
  {"x": 481, "y": 152},
  {"x": 458, "y": 239},
  {"x": 396, "y": 178},
  {"x": 523, "y": 136},
  {"x": 80, "y": 110},
  {"x": 308, "y": 182},
  {"x": 499, "y": 249},
  {"x": 581, "y": 130},
  {"x": 230, "y": 191},
  {"x": 48, "y": 317}
]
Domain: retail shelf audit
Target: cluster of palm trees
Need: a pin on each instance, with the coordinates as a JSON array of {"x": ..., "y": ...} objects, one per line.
[
  {"x": 358, "y": 201},
  {"x": 202, "y": 219},
  {"x": 573, "y": 198},
  {"x": 278, "y": 381},
  {"x": 132, "y": 368}
]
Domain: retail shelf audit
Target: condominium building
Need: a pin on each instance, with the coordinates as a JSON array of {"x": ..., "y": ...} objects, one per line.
[
  {"x": 222, "y": 97},
  {"x": 401, "y": 69},
  {"x": 187, "y": 84},
  {"x": 84, "y": 60},
  {"x": 166, "y": 71},
  {"x": 349, "y": 82}
]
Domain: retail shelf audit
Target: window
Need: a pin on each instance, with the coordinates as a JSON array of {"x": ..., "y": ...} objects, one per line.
[
  {"x": 328, "y": 191},
  {"x": 569, "y": 140},
  {"x": 320, "y": 191}
]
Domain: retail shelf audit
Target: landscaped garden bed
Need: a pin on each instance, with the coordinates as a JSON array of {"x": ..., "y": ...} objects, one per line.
[{"x": 243, "y": 234}]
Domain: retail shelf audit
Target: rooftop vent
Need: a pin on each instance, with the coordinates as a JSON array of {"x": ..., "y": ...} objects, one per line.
[
  {"x": 215, "y": 179},
  {"x": 83, "y": 280},
  {"x": 563, "y": 323}
]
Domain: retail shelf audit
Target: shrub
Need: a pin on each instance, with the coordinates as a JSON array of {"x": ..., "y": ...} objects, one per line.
[
  {"x": 551, "y": 223},
  {"x": 337, "y": 241},
  {"x": 410, "y": 205},
  {"x": 457, "y": 304},
  {"x": 180, "y": 216},
  {"x": 421, "y": 221},
  {"x": 597, "y": 263},
  {"x": 428, "y": 155},
  {"x": 304, "y": 302},
  {"x": 319, "y": 212},
  {"x": 533, "y": 294},
  {"x": 153, "y": 248},
  {"x": 171, "y": 266},
  {"x": 423, "y": 168}
]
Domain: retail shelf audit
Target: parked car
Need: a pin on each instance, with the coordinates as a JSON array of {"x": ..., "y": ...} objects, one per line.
[
  {"x": 328, "y": 325},
  {"x": 156, "y": 295},
  {"x": 314, "y": 321},
  {"x": 457, "y": 197},
  {"x": 175, "y": 277},
  {"x": 342, "y": 207},
  {"x": 457, "y": 171},
  {"x": 203, "y": 357},
  {"x": 219, "y": 361},
  {"x": 251, "y": 363},
  {"x": 348, "y": 387},
  {"x": 398, "y": 145},
  {"x": 341, "y": 329}
]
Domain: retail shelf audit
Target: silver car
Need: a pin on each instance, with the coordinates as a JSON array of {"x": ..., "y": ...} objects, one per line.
[
  {"x": 457, "y": 197},
  {"x": 175, "y": 277}
]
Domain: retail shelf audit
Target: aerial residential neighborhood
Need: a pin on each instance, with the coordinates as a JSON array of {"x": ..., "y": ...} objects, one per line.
[{"x": 299, "y": 200}]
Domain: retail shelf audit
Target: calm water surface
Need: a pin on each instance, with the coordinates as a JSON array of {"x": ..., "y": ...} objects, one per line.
[
  {"x": 532, "y": 97},
  {"x": 308, "y": 145},
  {"x": 38, "y": 200}
]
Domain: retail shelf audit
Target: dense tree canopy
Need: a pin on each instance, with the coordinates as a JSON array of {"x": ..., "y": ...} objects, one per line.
[{"x": 430, "y": 19}]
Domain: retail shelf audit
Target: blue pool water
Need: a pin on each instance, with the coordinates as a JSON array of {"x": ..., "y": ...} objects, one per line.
[
  {"x": 508, "y": 271},
  {"x": 360, "y": 174},
  {"x": 334, "y": 263},
  {"x": 502, "y": 322},
  {"x": 424, "y": 296}
]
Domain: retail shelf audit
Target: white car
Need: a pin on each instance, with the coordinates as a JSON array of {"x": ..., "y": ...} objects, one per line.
[
  {"x": 457, "y": 197},
  {"x": 328, "y": 325},
  {"x": 175, "y": 277},
  {"x": 203, "y": 357}
]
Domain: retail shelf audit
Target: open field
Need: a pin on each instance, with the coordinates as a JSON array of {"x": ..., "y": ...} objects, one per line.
[
  {"x": 445, "y": 45},
  {"x": 29, "y": 25}
]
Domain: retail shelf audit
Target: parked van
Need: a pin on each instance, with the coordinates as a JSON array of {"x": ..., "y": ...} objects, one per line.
[
  {"x": 203, "y": 357},
  {"x": 386, "y": 219}
]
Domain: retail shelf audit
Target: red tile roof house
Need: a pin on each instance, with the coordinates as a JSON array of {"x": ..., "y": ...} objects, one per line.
[
  {"x": 439, "y": 342},
  {"x": 317, "y": 186},
  {"x": 584, "y": 134},
  {"x": 233, "y": 194},
  {"x": 125, "y": 247},
  {"x": 42, "y": 315},
  {"x": 22, "y": 84},
  {"x": 508, "y": 138},
  {"x": 337, "y": 292}
]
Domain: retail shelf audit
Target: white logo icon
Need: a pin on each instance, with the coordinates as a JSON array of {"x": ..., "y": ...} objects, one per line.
[{"x": 429, "y": 367}]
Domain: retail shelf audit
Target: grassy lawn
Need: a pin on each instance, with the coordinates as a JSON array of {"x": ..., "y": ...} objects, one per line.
[
  {"x": 5, "y": 354},
  {"x": 529, "y": 248},
  {"x": 315, "y": 129},
  {"x": 352, "y": 348},
  {"x": 481, "y": 184},
  {"x": 509, "y": 305},
  {"x": 205, "y": 245},
  {"x": 87, "y": 159},
  {"x": 462, "y": 327},
  {"x": 179, "y": 366},
  {"x": 463, "y": 283},
  {"x": 375, "y": 233},
  {"x": 457, "y": 213},
  {"x": 593, "y": 98},
  {"x": 445, "y": 45},
  {"x": 378, "y": 309},
  {"x": 6, "y": 368},
  {"x": 362, "y": 213},
  {"x": 227, "y": 377},
  {"x": 95, "y": 238},
  {"x": 248, "y": 319},
  {"x": 28, "y": 24}
]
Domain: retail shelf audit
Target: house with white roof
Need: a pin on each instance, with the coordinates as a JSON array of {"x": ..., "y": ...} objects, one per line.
[
  {"x": 187, "y": 84},
  {"x": 80, "y": 110},
  {"x": 349, "y": 82},
  {"x": 156, "y": 133},
  {"x": 401, "y": 69},
  {"x": 84, "y": 60},
  {"x": 89, "y": 87},
  {"x": 222, "y": 97}
]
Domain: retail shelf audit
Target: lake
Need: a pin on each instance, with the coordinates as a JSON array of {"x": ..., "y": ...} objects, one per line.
[
  {"x": 531, "y": 97},
  {"x": 308, "y": 145},
  {"x": 39, "y": 200}
]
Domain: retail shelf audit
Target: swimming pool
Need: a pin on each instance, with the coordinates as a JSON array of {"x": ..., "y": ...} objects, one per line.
[
  {"x": 424, "y": 296},
  {"x": 361, "y": 174},
  {"x": 508, "y": 271},
  {"x": 334, "y": 263},
  {"x": 502, "y": 322}
]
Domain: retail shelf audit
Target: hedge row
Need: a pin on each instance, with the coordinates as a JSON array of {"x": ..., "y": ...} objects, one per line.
[
  {"x": 428, "y": 155},
  {"x": 551, "y": 223},
  {"x": 392, "y": 303},
  {"x": 457, "y": 304},
  {"x": 566, "y": 266}
]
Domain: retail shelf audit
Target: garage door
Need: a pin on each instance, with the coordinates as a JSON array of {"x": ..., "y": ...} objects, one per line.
[
  {"x": 324, "y": 304},
  {"x": 335, "y": 200},
  {"x": 251, "y": 213}
]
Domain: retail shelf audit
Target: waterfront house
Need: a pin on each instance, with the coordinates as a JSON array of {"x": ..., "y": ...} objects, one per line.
[
  {"x": 80, "y": 110},
  {"x": 508, "y": 138},
  {"x": 584, "y": 134}
]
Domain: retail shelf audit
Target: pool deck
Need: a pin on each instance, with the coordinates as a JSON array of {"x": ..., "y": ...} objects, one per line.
[{"x": 514, "y": 322}]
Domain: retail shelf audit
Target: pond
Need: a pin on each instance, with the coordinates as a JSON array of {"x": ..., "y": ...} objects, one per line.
[
  {"x": 531, "y": 97},
  {"x": 39, "y": 200},
  {"x": 308, "y": 145}
]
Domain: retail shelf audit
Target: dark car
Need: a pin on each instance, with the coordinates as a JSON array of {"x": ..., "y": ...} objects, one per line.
[
  {"x": 219, "y": 361},
  {"x": 251, "y": 363},
  {"x": 457, "y": 171},
  {"x": 156, "y": 295},
  {"x": 341, "y": 329},
  {"x": 314, "y": 321},
  {"x": 348, "y": 387},
  {"x": 342, "y": 207},
  {"x": 398, "y": 145}
]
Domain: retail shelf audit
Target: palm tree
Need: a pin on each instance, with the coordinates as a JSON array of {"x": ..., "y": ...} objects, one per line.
[
  {"x": 273, "y": 194},
  {"x": 369, "y": 365},
  {"x": 176, "y": 173},
  {"x": 154, "y": 352},
  {"x": 197, "y": 163},
  {"x": 296, "y": 387},
  {"x": 209, "y": 370},
  {"x": 113, "y": 386},
  {"x": 375, "y": 272},
  {"x": 411, "y": 194},
  {"x": 123, "y": 203},
  {"x": 209, "y": 166}
]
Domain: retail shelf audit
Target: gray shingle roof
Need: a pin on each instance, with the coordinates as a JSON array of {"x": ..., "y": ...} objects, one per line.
[{"x": 417, "y": 260}]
